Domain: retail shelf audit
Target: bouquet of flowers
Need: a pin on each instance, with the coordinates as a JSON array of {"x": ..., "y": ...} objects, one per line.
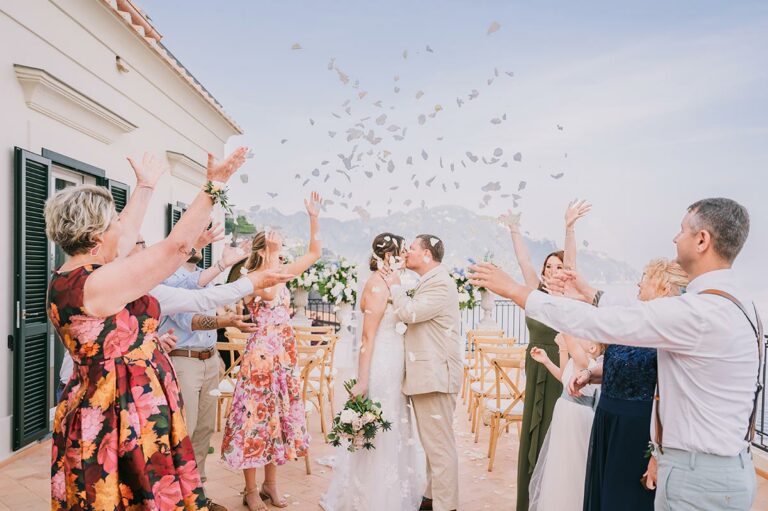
[
  {"x": 358, "y": 422},
  {"x": 338, "y": 282},
  {"x": 469, "y": 295}
]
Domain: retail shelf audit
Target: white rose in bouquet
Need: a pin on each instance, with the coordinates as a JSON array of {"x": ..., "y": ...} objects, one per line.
[
  {"x": 368, "y": 417},
  {"x": 357, "y": 424},
  {"x": 348, "y": 416}
]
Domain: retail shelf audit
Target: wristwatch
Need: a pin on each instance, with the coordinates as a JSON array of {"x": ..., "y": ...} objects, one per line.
[{"x": 192, "y": 252}]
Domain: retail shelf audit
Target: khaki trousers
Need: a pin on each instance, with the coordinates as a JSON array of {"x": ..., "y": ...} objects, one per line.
[
  {"x": 434, "y": 418},
  {"x": 197, "y": 378}
]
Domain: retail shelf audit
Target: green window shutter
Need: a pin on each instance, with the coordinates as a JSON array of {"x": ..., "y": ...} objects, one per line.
[
  {"x": 207, "y": 260},
  {"x": 174, "y": 214},
  {"x": 31, "y": 346},
  {"x": 120, "y": 192}
]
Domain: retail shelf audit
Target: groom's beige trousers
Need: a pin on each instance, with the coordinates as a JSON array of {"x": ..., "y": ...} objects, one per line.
[{"x": 434, "y": 418}]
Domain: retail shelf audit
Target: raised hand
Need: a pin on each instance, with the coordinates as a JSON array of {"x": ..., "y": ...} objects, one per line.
[
  {"x": 150, "y": 170},
  {"x": 233, "y": 255},
  {"x": 222, "y": 171},
  {"x": 274, "y": 241},
  {"x": 211, "y": 235},
  {"x": 539, "y": 355},
  {"x": 313, "y": 204},
  {"x": 570, "y": 284},
  {"x": 492, "y": 278},
  {"x": 511, "y": 221},
  {"x": 575, "y": 210},
  {"x": 268, "y": 278}
]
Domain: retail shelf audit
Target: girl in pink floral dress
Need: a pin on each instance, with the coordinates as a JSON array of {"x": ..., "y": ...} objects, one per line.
[{"x": 266, "y": 425}]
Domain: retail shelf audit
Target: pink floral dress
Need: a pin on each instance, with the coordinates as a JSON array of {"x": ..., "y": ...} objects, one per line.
[{"x": 266, "y": 423}]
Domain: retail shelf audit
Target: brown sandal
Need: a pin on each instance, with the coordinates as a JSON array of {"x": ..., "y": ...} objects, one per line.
[
  {"x": 247, "y": 492},
  {"x": 267, "y": 496}
]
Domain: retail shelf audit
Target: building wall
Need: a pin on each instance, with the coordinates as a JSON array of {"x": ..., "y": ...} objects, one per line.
[{"x": 76, "y": 41}]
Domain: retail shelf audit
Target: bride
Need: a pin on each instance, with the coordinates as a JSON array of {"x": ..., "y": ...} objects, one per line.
[{"x": 391, "y": 476}]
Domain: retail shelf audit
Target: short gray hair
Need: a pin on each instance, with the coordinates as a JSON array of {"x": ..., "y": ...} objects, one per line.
[
  {"x": 75, "y": 216},
  {"x": 727, "y": 222}
]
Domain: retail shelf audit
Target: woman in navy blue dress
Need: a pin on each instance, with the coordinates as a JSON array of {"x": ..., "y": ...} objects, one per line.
[{"x": 621, "y": 429}]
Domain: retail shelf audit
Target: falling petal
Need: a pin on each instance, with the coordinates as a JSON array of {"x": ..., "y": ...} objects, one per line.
[
  {"x": 422, "y": 119},
  {"x": 493, "y": 28},
  {"x": 424, "y": 154},
  {"x": 296, "y": 46},
  {"x": 518, "y": 157},
  {"x": 495, "y": 120},
  {"x": 498, "y": 151},
  {"x": 557, "y": 176},
  {"x": 419, "y": 94},
  {"x": 521, "y": 186},
  {"x": 244, "y": 178}
]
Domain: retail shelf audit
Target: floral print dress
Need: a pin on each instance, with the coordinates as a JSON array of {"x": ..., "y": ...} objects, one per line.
[
  {"x": 119, "y": 438},
  {"x": 266, "y": 423}
]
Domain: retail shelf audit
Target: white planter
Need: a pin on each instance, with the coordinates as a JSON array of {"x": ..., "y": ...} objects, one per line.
[
  {"x": 300, "y": 301},
  {"x": 487, "y": 302}
]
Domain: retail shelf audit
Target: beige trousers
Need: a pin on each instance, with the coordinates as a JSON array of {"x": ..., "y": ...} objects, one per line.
[
  {"x": 434, "y": 418},
  {"x": 197, "y": 378}
]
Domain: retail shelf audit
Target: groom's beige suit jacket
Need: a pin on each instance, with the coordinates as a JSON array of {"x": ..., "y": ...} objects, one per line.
[{"x": 433, "y": 347}]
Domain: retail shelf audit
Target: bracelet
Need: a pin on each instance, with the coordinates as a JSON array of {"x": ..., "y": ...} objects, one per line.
[
  {"x": 220, "y": 266},
  {"x": 596, "y": 299},
  {"x": 218, "y": 194}
]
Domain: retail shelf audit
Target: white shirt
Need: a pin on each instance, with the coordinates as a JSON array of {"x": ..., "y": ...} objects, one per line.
[
  {"x": 707, "y": 358},
  {"x": 174, "y": 300}
]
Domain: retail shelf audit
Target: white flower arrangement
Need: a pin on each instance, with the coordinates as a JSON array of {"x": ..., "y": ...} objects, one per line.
[
  {"x": 337, "y": 282},
  {"x": 469, "y": 295},
  {"x": 309, "y": 280}
]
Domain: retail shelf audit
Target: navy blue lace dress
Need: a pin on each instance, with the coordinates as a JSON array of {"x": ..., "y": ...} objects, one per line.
[{"x": 621, "y": 432}]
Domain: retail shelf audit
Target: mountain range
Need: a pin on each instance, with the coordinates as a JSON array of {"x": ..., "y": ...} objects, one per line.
[{"x": 465, "y": 234}]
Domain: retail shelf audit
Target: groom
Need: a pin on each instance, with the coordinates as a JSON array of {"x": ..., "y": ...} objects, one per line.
[{"x": 433, "y": 367}]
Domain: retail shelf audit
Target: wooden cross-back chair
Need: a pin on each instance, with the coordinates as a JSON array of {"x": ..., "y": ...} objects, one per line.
[
  {"x": 485, "y": 384},
  {"x": 321, "y": 330},
  {"x": 305, "y": 366},
  {"x": 469, "y": 356},
  {"x": 508, "y": 409},
  {"x": 227, "y": 381},
  {"x": 474, "y": 375},
  {"x": 318, "y": 379}
]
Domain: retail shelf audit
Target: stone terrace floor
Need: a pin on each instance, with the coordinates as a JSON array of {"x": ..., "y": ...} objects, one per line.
[{"x": 24, "y": 479}]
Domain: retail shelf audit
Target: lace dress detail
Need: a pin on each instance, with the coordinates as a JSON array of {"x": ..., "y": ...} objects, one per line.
[
  {"x": 629, "y": 373},
  {"x": 393, "y": 475}
]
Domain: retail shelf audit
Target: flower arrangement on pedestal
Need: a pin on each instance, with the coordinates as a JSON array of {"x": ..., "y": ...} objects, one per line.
[
  {"x": 338, "y": 283},
  {"x": 309, "y": 280},
  {"x": 469, "y": 295}
]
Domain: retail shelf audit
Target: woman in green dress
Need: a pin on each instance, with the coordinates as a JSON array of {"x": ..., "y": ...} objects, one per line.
[{"x": 541, "y": 388}]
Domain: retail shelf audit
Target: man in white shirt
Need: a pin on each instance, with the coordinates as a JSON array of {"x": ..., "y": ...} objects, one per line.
[{"x": 709, "y": 343}]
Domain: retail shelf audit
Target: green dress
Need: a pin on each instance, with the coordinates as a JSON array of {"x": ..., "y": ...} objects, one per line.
[{"x": 541, "y": 392}]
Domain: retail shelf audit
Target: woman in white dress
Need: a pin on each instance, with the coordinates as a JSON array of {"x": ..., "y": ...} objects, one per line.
[
  {"x": 557, "y": 482},
  {"x": 391, "y": 476}
]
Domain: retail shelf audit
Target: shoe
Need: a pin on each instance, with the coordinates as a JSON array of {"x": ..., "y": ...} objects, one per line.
[
  {"x": 426, "y": 504},
  {"x": 260, "y": 506},
  {"x": 212, "y": 506},
  {"x": 268, "y": 497}
]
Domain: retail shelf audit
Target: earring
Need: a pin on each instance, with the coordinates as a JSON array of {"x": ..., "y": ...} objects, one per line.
[{"x": 95, "y": 250}]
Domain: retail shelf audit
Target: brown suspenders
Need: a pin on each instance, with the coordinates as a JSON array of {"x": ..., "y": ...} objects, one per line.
[{"x": 758, "y": 386}]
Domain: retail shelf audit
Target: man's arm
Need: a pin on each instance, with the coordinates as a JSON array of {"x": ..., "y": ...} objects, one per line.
[
  {"x": 175, "y": 300},
  {"x": 668, "y": 323},
  {"x": 205, "y": 322},
  {"x": 428, "y": 304}
]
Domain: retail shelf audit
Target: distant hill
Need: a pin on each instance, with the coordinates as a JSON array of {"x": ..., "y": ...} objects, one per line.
[{"x": 466, "y": 234}]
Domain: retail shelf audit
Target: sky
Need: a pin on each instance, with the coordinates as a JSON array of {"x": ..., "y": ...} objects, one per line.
[{"x": 643, "y": 108}]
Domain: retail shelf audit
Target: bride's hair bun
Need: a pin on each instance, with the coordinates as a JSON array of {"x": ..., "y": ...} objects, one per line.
[{"x": 385, "y": 245}]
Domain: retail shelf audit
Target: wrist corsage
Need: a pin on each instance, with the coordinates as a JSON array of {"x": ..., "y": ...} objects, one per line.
[{"x": 218, "y": 194}]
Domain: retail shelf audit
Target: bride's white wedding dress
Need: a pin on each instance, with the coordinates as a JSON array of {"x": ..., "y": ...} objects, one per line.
[{"x": 393, "y": 475}]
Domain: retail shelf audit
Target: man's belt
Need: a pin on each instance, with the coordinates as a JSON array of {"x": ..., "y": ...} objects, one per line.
[{"x": 200, "y": 355}]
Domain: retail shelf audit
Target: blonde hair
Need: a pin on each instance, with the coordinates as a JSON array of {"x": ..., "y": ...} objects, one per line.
[
  {"x": 76, "y": 216},
  {"x": 255, "y": 260},
  {"x": 665, "y": 272}
]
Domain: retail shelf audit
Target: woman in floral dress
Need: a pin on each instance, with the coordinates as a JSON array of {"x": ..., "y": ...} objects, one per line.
[
  {"x": 119, "y": 438},
  {"x": 266, "y": 425}
]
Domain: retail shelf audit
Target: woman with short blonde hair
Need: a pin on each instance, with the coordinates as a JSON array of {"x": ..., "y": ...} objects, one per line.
[{"x": 119, "y": 438}]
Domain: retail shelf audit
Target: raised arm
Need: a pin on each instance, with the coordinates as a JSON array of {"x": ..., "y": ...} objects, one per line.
[
  {"x": 230, "y": 256},
  {"x": 131, "y": 217},
  {"x": 315, "y": 250},
  {"x": 373, "y": 304},
  {"x": 512, "y": 222},
  {"x": 123, "y": 280},
  {"x": 575, "y": 210}
]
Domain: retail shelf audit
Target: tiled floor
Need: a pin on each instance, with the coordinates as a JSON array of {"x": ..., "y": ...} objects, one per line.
[{"x": 24, "y": 482}]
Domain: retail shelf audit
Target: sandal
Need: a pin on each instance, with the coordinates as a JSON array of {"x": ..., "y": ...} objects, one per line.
[
  {"x": 268, "y": 497},
  {"x": 261, "y": 506}
]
